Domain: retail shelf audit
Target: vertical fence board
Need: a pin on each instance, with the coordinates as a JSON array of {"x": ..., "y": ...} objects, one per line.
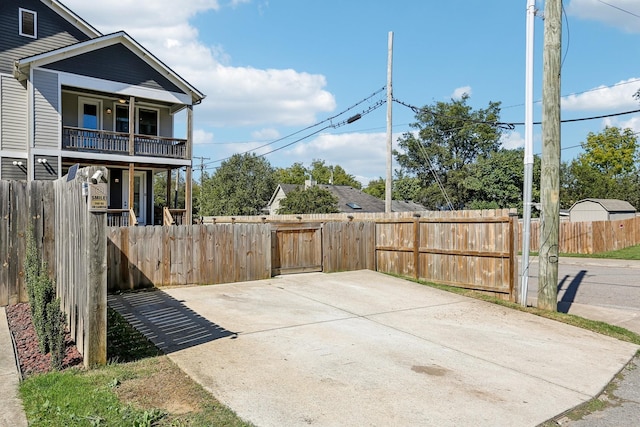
[{"x": 5, "y": 224}]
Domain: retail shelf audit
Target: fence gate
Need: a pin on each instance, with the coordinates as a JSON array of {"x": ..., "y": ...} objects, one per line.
[{"x": 296, "y": 248}]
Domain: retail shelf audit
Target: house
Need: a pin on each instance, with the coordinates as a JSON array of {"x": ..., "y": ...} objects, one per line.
[
  {"x": 71, "y": 95},
  {"x": 601, "y": 210},
  {"x": 349, "y": 199}
]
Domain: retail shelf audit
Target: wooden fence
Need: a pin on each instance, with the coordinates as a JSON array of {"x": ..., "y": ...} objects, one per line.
[
  {"x": 81, "y": 266},
  {"x": 472, "y": 249},
  {"x": 590, "y": 237},
  {"x": 22, "y": 205}
]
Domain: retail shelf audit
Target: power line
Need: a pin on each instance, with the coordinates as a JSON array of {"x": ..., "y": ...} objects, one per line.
[
  {"x": 583, "y": 92},
  {"x": 619, "y": 8},
  {"x": 329, "y": 119},
  {"x": 582, "y": 119}
]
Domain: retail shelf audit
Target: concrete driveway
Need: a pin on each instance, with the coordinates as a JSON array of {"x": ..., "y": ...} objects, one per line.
[{"x": 362, "y": 348}]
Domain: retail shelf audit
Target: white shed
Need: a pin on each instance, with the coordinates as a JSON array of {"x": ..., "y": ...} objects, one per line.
[{"x": 601, "y": 210}]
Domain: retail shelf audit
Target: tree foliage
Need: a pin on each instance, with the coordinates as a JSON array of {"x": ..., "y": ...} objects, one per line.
[
  {"x": 320, "y": 172},
  {"x": 496, "y": 181},
  {"x": 376, "y": 188},
  {"x": 307, "y": 201},
  {"x": 242, "y": 185},
  {"x": 608, "y": 169},
  {"x": 449, "y": 137}
]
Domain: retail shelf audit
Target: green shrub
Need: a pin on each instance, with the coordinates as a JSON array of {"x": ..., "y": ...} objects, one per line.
[
  {"x": 56, "y": 322},
  {"x": 49, "y": 321},
  {"x": 31, "y": 268}
]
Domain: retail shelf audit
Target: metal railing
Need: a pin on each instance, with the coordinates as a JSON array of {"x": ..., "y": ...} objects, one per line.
[{"x": 103, "y": 141}]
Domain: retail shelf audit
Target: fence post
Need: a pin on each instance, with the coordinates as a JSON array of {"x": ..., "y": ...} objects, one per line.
[
  {"x": 96, "y": 344},
  {"x": 514, "y": 291},
  {"x": 416, "y": 246}
]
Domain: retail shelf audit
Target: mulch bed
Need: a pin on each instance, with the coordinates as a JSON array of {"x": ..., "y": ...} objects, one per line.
[{"x": 31, "y": 360}]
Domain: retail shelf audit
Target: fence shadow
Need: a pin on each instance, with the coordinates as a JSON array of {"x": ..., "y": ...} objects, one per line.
[
  {"x": 569, "y": 295},
  {"x": 165, "y": 321}
]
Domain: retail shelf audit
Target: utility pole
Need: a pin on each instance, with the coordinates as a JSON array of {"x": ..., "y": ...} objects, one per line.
[
  {"x": 528, "y": 152},
  {"x": 389, "y": 181},
  {"x": 550, "y": 176},
  {"x": 202, "y": 159}
]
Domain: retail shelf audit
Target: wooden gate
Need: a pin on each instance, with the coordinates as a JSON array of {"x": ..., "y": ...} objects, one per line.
[{"x": 296, "y": 248}]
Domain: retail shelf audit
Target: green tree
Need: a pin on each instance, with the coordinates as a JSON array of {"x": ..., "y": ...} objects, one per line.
[
  {"x": 294, "y": 174},
  {"x": 496, "y": 181},
  {"x": 608, "y": 168},
  {"x": 307, "y": 201},
  {"x": 450, "y": 136},
  {"x": 376, "y": 188},
  {"x": 323, "y": 174},
  {"x": 242, "y": 185},
  {"x": 406, "y": 187}
]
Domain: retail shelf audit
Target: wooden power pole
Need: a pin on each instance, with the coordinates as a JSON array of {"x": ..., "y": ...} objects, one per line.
[{"x": 550, "y": 176}]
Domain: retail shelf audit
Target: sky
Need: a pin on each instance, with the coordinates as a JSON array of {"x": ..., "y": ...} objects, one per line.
[{"x": 278, "y": 73}]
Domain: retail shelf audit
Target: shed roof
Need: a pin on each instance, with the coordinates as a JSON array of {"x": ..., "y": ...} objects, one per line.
[{"x": 610, "y": 205}]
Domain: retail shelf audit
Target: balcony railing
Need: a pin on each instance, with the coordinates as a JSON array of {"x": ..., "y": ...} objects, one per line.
[{"x": 102, "y": 141}]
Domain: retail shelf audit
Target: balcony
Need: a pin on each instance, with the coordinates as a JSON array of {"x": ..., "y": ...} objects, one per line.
[{"x": 101, "y": 141}]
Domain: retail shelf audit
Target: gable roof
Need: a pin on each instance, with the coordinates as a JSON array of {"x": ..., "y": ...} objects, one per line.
[
  {"x": 610, "y": 205},
  {"x": 22, "y": 66},
  {"x": 72, "y": 18}
]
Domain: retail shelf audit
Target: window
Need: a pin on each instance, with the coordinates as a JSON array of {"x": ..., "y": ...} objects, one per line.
[
  {"x": 122, "y": 119},
  {"x": 353, "y": 205},
  {"x": 147, "y": 122},
  {"x": 28, "y": 23}
]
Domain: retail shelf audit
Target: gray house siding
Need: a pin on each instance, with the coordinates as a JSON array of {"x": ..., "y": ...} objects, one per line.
[
  {"x": 53, "y": 32},
  {"x": 46, "y": 117},
  {"x": 115, "y": 63},
  {"x": 45, "y": 171},
  {"x": 11, "y": 171},
  {"x": 13, "y": 114}
]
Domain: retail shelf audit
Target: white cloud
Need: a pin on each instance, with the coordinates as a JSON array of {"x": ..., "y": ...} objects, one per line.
[
  {"x": 362, "y": 152},
  {"x": 236, "y": 96},
  {"x": 201, "y": 136},
  {"x": 265, "y": 134},
  {"x": 633, "y": 123},
  {"x": 612, "y": 97},
  {"x": 458, "y": 93},
  {"x": 512, "y": 140},
  {"x": 596, "y": 10}
]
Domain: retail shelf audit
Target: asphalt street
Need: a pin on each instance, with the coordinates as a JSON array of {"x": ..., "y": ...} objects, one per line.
[{"x": 606, "y": 290}]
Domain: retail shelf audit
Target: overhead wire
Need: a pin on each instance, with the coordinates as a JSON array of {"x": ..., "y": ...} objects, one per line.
[{"x": 328, "y": 119}]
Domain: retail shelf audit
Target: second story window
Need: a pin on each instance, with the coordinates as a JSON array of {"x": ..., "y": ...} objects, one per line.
[{"x": 28, "y": 23}]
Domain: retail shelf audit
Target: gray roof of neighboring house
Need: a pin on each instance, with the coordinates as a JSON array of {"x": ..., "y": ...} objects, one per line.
[
  {"x": 610, "y": 205},
  {"x": 353, "y": 200}
]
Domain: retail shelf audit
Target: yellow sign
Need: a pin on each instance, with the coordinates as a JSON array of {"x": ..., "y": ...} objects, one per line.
[{"x": 98, "y": 197}]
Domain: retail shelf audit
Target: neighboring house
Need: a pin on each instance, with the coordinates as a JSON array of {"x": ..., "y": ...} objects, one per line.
[
  {"x": 349, "y": 199},
  {"x": 601, "y": 210},
  {"x": 70, "y": 95}
]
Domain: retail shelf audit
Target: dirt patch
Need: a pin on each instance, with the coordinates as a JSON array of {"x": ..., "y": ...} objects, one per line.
[
  {"x": 31, "y": 360},
  {"x": 163, "y": 386}
]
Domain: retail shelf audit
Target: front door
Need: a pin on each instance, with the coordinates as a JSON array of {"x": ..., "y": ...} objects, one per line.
[{"x": 139, "y": 194}]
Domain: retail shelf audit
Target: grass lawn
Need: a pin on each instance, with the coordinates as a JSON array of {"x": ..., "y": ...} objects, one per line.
[
  {"x": 139, "y": 387},
  {"x": 630, "y": 253}
]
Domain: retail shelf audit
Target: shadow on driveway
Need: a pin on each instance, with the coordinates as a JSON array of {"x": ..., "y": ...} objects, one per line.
[
  {"x": 165, "y": 321},
  {"x": 570, "y": 294}
]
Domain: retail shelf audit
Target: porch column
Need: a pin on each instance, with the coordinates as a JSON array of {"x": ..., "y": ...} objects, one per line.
[
  {"x": 132, "y": 126},
  {"x": 131, "y": 189},
  {"x": 188, "y": 205},
  {"x": 132, "y": 129},
  {"x": 168, "y": 188}
]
